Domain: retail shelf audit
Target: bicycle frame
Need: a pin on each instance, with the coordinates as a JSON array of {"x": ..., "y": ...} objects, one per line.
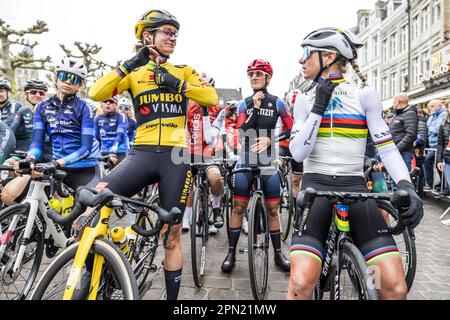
[
  {"x": 87, "y": 240},
  {"x": 38, "y": 201}
]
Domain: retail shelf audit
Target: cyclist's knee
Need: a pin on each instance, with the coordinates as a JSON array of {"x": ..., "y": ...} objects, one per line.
[
  {"x": 301, "y": 284},
  {"x": 394, "y": 289},
  {"x": 215, "y": 181},
  {"x": 239, "y": 208},
  {"x": 174, "y": 240}
]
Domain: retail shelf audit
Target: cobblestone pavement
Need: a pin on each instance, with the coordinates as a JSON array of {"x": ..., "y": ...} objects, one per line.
[{"x": 432, "y": 279}]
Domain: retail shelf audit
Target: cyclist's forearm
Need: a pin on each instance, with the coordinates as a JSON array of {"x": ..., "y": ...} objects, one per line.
[
  {"x": 109, "y": 85},
  {"x": 304, "y": 137},
  {"x": 82, "y": 152}
]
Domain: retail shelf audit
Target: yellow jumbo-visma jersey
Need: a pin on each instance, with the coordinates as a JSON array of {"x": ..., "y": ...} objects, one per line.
[{"x": 160, "y": 112}]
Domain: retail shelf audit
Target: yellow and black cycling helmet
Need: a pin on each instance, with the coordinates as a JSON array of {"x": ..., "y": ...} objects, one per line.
[{"x": 154, "y": 18}]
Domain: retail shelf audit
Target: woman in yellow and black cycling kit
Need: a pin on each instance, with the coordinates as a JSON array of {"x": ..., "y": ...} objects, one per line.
[{"x": 160, "y": 92}]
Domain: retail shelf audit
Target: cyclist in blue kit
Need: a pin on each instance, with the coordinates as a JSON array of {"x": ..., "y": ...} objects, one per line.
[
  {"x": 69, "y": 122},
  {"x": 111, "y": 131}
]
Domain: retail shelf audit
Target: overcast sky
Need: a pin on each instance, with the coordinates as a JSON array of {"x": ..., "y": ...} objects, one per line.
[{"x": 217, "y": 37}]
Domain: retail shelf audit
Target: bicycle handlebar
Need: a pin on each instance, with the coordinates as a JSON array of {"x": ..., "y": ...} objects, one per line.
[
  {"x": 399, "y": 199},
  {"x": 173, "y": 217}
]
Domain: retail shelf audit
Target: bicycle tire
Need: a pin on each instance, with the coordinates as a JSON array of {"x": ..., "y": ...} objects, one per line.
[
  {"x": 358, "y": 273},
  {"x": 199, "y": 229},
  {"x": 409, "y": 254},
  {"x": 258, "y": 245},
  {"x": 38, "y": 253},
  {"x": 114, "y": 259},
  {"x": 228, "y": 206},
  {"x": 286, "y": 218}
]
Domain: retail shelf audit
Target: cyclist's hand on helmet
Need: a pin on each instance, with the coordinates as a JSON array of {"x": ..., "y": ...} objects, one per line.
[
  {"x": 47, "y": 167},
  {"x": 166, "y": 79},
  {"x": 257, "y": 99},
  {"x": 140, "y": 59},
  {"x": 412, "y": 217},
  {"x": 324, "y": 91},
  {"x": 27, "y": 163}
]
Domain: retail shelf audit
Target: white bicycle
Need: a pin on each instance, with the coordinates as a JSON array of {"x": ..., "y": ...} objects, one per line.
[{"x": 25, "y": 231}]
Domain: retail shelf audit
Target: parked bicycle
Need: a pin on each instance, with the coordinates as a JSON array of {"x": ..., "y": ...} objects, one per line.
[{"x": 286, "y": 207}]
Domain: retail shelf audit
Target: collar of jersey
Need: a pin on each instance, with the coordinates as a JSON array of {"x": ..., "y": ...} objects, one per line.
[
  {"x": 162, "y": 61},
  {"x": 334, "y": 77}
]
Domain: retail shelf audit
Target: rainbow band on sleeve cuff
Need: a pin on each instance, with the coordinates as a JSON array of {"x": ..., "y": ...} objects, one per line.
[
  {"x": 121, "y": 71},
  {"x": 384, "y": 143},
  {"x": 182, "y": 88}
]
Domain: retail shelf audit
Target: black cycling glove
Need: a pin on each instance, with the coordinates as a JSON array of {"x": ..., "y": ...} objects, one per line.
[
  {"x": 47, "y": 167},
  {"x": 25, "y": 163},
  {"x": 140, "y": 59},
  {"x": 324, "y": 91},
  {"x": 412, "y": 217},
  {"x": 164, "y": 78}
]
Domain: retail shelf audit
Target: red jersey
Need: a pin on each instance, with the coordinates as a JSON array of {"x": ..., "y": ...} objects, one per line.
[{"x": 195, "y": 134}]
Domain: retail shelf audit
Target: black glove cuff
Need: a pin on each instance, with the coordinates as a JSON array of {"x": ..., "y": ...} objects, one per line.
[
  {"x": 204, "y": 111},
  {"x": 318, "y": 109},
  {"x": 56, "y": 164}
]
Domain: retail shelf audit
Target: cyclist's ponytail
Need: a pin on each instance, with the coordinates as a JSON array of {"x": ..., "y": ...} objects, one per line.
[{"x": 358, "y": 72}]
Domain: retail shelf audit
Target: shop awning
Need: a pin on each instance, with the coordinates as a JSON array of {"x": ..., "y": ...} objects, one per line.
[{"x": 431, "y": 96}]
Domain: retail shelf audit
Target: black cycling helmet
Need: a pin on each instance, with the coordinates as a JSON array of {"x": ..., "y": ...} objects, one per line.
[
  {"x": 154, "y": 18},
  {"x": 36, "y": 85},
  {"x": 5, "y": 84}
]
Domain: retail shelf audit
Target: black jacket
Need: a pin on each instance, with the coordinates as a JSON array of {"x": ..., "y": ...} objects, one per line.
[
  {"x": 443, "y": 154},
  {"x": 422, "y": 131},
  {"x": 404, "y": 127}
]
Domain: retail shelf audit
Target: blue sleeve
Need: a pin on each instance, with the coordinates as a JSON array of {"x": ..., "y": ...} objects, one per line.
[
  {"x": 121, "y": 133},
  {"x": 38, "y": 138},
  {"x": 97, "y": 129},
  {"x": 133, "y": 131},
  {"x": 87, "y": 137}
]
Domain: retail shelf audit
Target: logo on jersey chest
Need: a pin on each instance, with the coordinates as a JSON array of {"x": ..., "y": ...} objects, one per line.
[
  {"x": 160, "y": 97},
  {"x": 161, "y": 107},
  {"x": 263, "y": 112}
]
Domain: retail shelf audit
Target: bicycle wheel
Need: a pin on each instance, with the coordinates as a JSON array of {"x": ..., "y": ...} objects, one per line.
[
  {"x": 286, "y": 203},
  {"x": 227, "y": 205},
  {"x": 17, "y": 285},
  {"x": 199, "y": 232},
  {"x": 405, "y": 243},
  {"x": 258, "y": 247},
  {"x": 355, "y": 281},
  {"x": 144, "y": 252},
  {"x": 53, "y": 282}
]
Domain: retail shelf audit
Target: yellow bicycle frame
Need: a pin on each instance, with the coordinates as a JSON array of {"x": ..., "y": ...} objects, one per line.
[{"x": 86, "y": 243}]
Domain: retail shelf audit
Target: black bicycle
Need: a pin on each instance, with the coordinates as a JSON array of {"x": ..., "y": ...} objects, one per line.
[
  {"x": 345, "y": 274},
  {"x": 258, "y": 233},
  {"x": 405, "y": 241},
  {"x": 286, "y": 207},
  {"x": 227, "y": 166}
]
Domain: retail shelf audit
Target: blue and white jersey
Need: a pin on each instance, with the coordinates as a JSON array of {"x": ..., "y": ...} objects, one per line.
[
  {"x": 111, "y": 131},
  {"x": 70, "y": 126}
]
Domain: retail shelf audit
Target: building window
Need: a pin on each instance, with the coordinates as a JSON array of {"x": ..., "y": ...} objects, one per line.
[
  {"x": 426, "y": 61},
  {"x": 393, "y": 45},
  {"x": 384, "y": 51},
  {"x": 375, "y": 80},
  {"x": 415, "y": 27},
  {"x": 436, "y": 14},
  {"x": 375, "y": 47},
  {"x": 384, "y": 87},
  {"x": 393, "y": 84},
  {"x": 404, "y": 79},
  {"x": 404, "y": 39},
  {"x": 416, "y": 70},
  {"x": 365, "y": 52},
  {"x": 425, "y": 19}
]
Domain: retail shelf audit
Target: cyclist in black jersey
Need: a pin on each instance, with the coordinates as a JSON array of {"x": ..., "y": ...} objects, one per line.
[
  {"x": 8, "y": 108},
  {"x": 7, "y": 142},
  {"x": 257, "y": 119}
]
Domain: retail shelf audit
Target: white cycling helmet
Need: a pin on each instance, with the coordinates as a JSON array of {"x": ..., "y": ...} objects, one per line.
[
  {"x": 207, "y": 78},
  {"x": 125, "y": 102},
  {"x": 291, "y": 97},
  {"x": 345, "y": 42},
  {"x": 73, "y": 66}
]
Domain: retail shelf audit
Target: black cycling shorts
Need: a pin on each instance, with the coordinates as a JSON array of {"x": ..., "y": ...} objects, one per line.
[
  {"x": 143, "y": 168},
  {"x": 243, "y": 182},
  {"x": 297, "y": 167},
  {"x": 368, "y": 229},
  {"x": 76, "y": 177}
]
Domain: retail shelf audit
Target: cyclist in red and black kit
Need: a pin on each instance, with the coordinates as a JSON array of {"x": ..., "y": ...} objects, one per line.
[
  {"x": 257, "y": 119},
  {"x": 203, "y": 127}
]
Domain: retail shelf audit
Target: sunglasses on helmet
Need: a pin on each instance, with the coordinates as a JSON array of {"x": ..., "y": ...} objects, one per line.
[{"x": 64, "y": 76}]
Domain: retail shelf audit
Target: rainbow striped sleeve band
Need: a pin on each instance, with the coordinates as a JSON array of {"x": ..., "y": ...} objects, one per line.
[
  {"x": 182, "y": 88},
  {"x": 306, "y": 250},
  {"x": 121, "y": 71}
]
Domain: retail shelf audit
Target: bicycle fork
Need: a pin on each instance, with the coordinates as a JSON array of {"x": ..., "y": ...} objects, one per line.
[{"x": 86, "y": 243}]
